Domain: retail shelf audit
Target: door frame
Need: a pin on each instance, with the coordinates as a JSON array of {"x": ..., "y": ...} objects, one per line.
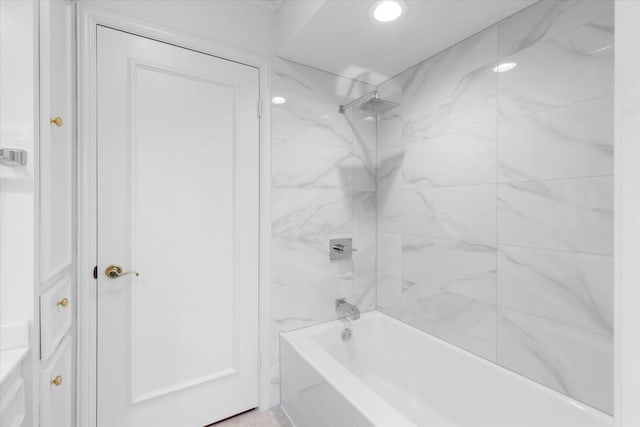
[{"x": 89, "y": 17}]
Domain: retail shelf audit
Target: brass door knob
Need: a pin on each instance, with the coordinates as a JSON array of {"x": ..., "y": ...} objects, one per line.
[
  {"x": 63, "y": 302},
  {"x": 114, "y": 271},
  {"x": 57, "y": 380},
  {"x": 57, "y": 121}
]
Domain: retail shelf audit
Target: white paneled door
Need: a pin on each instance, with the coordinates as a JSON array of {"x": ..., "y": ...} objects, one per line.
[{"x": 178, "y": 193}]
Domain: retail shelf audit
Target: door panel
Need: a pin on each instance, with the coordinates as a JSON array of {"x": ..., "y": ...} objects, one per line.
[{"x": 178, "y": 203}]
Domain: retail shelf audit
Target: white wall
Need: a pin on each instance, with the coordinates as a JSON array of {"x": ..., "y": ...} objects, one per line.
[
  {"x": 18, "y": 194},
  {"x": 230, "y": 22},
  {"x": 627, "y": 199},
  {"x": 17, "y": 184}
]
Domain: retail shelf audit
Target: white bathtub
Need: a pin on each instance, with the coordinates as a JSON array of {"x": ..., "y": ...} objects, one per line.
[{"x": 390, "y": 375}]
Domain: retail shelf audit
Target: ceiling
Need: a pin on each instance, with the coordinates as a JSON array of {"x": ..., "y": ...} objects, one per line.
[{"x": 340, "y": 37}]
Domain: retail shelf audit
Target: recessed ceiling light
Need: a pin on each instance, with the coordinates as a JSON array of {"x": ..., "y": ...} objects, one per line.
[
  {"x": 369, "y": 119},
  {"x": 277, "y": 100},
  {"x": 387, "y": 10},
  {"x": 505, "y": 66}
]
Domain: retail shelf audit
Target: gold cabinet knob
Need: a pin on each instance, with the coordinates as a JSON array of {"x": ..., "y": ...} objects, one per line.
[
  {"x": 57, "y": 380},
  {"x": 114, "y": 271},
  {"x": 56, "y": 121},
  {"x": 63, "y": 302}
]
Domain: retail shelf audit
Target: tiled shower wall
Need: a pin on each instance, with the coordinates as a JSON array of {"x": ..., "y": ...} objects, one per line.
[
  {"x": 323, "y": 187},
  {"x": 495, "y": 192}
]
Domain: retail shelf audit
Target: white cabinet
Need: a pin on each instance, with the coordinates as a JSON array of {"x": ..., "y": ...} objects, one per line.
[
  {"x": 56, "y": 290},
  {"x": 56, "y": 388},
  {"x": 55, "y": 316},
  {"x": 56, "y": 139}
]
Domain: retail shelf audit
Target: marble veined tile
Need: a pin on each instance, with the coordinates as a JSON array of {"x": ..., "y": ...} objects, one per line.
[
  {"x": 568, "y": 214},
  {"x": 460, "y": 158},
  {"x": 389, "y": 168},
  {"x": 304, "y": 119},
  {"x": 547, "y": 19},
  {"x": 389, "y": 130},
  {"x": 467, "y": 323},
  {"x": 392, "y": 89},
  {"x": 295, "y": 262},
  {"x": 364, "y": 256},
  {"x": 310, "y": 113},
  {"x": 299, "y": 300},
  {"x": 363, "y": 292},
  {"x": 389, "y": 211},
  {"x": 302, "y": 165},
  {"x": 388, "y": 291},
  {"x": 306, "y": 303},
  {"x": 363, "y": 289},
  {"x": 302, "y": 215},
  {"x": 452, "y": 63},
  {"x": 572, "y": 67},
  {"x": 314, "y": 82},
  {"x": 364, "y": 211},
  {"x": 454, "y": 213},
  {"x": 389, "y": 254},
  {"x": 363, "y": 169},
  {"x": 451, "y": 105},
  {"x": 574, "y": 141},
  {"x": 573, "y": 361},
  {"x": 363, "y": 126},
  {"x": 389, "y": 124},
  {"x": 303, "y": 221},
  {"x": 574, "y": 289},
  {"x": 462, "y": 268}
]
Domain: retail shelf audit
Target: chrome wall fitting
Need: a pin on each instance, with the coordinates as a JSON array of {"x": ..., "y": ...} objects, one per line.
[
  {"x": 13, "y": 157},
  {"x": 340, "y": 249},
  {"x": 344, "y": 309}
]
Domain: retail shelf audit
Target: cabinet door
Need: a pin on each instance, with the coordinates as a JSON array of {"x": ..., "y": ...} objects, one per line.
[
  {"x": 55, "y": 316},
  {"x": 56, "y": 388},
  {"x": 56, "y": 138}
]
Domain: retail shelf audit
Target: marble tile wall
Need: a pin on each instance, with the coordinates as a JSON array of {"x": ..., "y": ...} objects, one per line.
[
  {"x": 323, "y": 187},
  {"x": 494, "y": 197}
]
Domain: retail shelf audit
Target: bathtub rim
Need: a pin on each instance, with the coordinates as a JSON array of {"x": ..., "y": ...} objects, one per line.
[
  {"x": 372, "y": 406},
  {"x": 303, "y": 338}
]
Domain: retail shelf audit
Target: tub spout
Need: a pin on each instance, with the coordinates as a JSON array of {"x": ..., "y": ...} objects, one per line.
[{"x": 344, "y": 309}]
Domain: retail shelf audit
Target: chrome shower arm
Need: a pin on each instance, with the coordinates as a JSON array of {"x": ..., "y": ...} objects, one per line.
[{"x": 343, "y": 108}]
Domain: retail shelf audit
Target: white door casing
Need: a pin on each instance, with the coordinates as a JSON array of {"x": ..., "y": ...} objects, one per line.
[{"x": 178, "y": 201}]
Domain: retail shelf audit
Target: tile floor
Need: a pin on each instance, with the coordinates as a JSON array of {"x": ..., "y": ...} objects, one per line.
[{"x": 274, "y": 417}]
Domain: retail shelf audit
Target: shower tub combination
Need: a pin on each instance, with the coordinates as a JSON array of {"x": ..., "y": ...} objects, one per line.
[{"x": 389, "y": 374}]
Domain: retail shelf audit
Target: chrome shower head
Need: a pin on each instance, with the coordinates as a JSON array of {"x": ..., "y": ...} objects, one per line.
[
  {"x": 377, "y": 105},
  {"x": 374, "y": 104}
]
